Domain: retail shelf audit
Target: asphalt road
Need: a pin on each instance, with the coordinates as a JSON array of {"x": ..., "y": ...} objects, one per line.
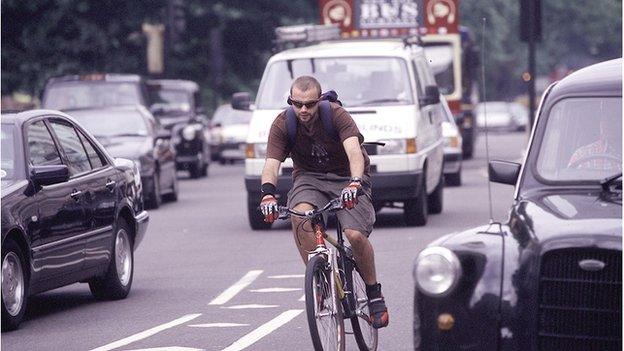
[{"x": 204, "y": 280}]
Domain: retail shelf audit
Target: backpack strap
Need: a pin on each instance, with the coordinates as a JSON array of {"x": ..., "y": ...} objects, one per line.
[{"x": 326, "y": 115}]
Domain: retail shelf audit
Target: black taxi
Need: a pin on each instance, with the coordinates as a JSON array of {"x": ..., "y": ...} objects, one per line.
[{"x": 550, "y": 277}]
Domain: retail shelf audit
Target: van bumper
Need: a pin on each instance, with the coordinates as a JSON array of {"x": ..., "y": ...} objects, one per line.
[{"x": 387, "y": 187}]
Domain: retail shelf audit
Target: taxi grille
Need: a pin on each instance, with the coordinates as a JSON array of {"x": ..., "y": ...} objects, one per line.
[{"x": 579, "y": 309}]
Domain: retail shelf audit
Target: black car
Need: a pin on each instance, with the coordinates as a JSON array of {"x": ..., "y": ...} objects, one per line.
[
  {"x": 132, "y": 132},
  {"x": 97, "y": 90},
  {"x": 70, "y": 212},
  {"x": 177, "y": 105},
  {"x": 550, "y": 277}
]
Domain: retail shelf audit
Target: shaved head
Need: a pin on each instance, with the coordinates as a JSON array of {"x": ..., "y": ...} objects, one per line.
[{"x": 306, "y": 83}]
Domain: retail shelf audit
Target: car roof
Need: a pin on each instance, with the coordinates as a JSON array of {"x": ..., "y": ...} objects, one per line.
[
  {"x": 603, "y": 78},
  {"x": 342, "y": 48},
  {"x": 20, "y": 118},
  {"x": 174, "y": 84},
  {"x": 96, "y": 77}
]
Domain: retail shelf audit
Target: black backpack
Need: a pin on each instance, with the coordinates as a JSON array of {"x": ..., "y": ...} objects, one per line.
[{"x": 324, "y": 112}]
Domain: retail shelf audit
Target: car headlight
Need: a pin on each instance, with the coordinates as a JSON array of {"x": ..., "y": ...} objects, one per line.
[
  {"x": 397, "y": 146},
  {"x": 256, "y": 150},
  {"x": 437, "y": 271}
]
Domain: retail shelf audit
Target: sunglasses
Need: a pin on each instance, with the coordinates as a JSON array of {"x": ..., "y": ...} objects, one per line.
[{"x": 299, "y": 104}]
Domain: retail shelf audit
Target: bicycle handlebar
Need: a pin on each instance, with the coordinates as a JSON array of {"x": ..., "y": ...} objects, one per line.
[{"x": 331, "y": 206}]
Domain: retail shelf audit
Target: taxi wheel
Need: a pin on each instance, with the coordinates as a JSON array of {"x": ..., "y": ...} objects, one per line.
[
  {"x": 14, "y": 285},
  {"x": 453, "y": 179},
  {"x": 116, "y": 282}
]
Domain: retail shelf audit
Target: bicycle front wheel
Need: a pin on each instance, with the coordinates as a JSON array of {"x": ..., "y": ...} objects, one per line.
[
  {"x": 363, "y": 331},
  {"x": 322, "y": 307}
]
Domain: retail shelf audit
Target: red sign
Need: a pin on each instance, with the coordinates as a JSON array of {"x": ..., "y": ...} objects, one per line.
[
  {"x": 440, "y": 16},
  {"x": 340, "y": 12}
]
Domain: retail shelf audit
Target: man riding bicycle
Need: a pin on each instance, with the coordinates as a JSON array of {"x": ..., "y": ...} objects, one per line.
[{"x": 324, "y": 167}]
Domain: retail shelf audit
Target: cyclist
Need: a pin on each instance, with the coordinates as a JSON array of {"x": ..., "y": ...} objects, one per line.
[{"x": 325, "y": 168}]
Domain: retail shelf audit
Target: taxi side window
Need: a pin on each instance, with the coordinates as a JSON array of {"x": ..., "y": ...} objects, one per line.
[
  {"x": 71, "y": 144},
  {"x": 41, "y": 148},
  {"x": 95, "y": 158}
]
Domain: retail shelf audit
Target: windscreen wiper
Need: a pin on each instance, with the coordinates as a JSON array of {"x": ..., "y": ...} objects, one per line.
[
  {"x": 607, "y": 182},
  {"x": 379, "y": 101}
]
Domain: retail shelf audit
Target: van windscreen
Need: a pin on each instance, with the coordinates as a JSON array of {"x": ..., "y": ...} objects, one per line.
[{"x": 359, "y": 81}]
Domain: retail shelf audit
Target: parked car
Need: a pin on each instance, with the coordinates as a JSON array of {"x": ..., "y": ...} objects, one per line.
[
  {"x": 177, "y": 106},
  {"x": 499, "y": 116},
  {"x": 452, "y": 146},
  {"x": 229, "y": 133},
  {"x": 96, "y": 90},
  {"x": 520, "y": 115},
  {"x": 550, "y": 277},
  {"x": 70, "y": 212},
  {"x": 132, "y": 132}
]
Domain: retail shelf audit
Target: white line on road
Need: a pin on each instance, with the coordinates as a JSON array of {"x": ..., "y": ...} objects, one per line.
[
  {"x": 230, "y": 292},
  {"x": 287, "y": 276},
  {"x": 252, "y": 306},
  {"x": 147, "y": 333},
  {"x": 302, "y": 298},
  {"x": 169, "y": 348},
  {"x": 275, "y": 290},
  {"x": 263, "y": 330},
  {"x": 218, "y": 325}
]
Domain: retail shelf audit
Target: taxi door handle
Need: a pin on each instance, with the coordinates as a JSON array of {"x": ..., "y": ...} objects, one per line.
[
  {"x": 110, "y": 184},
  {"x": 430, "y": 113},
  {"x": 75, "y": 194}
]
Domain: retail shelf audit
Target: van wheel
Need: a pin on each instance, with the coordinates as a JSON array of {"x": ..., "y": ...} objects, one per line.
[
  {"x": 256, "y": 219},
  {"x": 14, "y": 285},
  {"x": 415, "y": 210},
  {"x": 435, "y": 199},
  {"x": 116, "y": 282}
]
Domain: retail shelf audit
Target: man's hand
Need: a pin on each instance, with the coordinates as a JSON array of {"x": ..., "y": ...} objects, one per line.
[
  {"x": 269, "y": 209},
  {"x": 349, "y": 195}
]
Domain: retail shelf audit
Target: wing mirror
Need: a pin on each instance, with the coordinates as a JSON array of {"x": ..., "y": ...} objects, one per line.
[
  {"x": 503, "y": 172},
  {"x": 432, "y": 96},
  {"x": 48, "y": 175},
  {"x": 241, "y": 101}
]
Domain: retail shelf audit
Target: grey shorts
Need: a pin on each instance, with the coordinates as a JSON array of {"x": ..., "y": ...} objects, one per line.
[{"x": 319, "y": 188}]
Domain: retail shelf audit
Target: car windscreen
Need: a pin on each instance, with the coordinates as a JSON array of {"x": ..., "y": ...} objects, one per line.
[
  {"x": 582, "y": 140},
  {"x": 359, "y": 81},
  {"x": 440, "y": 59},
  {"x": 113, "y": 123},
  {"x": 226, "y": 115},
  {"x": 170, "y": 99},
  {"x": 91, "y": 94},
  {"x": 493, "y": 107},
  {"x": 8, "y": 168}
]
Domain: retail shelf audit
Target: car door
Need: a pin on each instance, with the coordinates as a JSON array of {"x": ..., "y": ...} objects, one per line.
[
  {"x": 430, "y": 125},
  {"x": 57, "y": 247},
  {"x": 103, "y": 187}
]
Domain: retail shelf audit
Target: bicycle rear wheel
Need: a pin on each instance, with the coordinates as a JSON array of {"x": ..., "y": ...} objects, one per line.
[
  {"x": 322, "y": 307},
  {"x": 363, "y": 331}
]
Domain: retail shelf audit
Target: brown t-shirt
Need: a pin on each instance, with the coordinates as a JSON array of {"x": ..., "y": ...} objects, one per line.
[{"x": 315, "y": 150}]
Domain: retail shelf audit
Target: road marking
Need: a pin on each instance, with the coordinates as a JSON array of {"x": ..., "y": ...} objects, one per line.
[
  {"x": 218, "y": 325},
  {"x": 242, "y": 307},
  {"x": 287, "y": 276},
  {"x": 169, "y": 348},
  {"x": 147, "y": 333},
  {"x": 302, "y": 298},
  {"x": 230, "y": 292},
  {"x": 275, "y": 290},
  {"x": 263, "y": 330}
]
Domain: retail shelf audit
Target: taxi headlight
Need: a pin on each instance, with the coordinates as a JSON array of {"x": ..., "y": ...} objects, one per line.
[
  {"x": 188, "y": 133},
  {"x": 437, "y": 271}
]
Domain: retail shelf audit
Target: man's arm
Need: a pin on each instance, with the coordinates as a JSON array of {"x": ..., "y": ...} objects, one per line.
[
  {"x": 270, "y": 170},
  {"x": 354, "y": 153}
]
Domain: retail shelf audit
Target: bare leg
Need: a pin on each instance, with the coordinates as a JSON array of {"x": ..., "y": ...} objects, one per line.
[
  {"x": 363, "y": 254},
  {"x": 304, "y": 237}
]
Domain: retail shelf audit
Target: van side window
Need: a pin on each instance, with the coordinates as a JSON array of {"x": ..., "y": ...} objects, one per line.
[{"x": 420, "y": 88}]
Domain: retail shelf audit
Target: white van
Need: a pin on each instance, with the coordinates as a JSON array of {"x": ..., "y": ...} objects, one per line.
[{"x": 387, "y": 87}]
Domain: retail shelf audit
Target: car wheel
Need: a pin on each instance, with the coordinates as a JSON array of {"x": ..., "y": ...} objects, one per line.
[
  {"x": 116, "y": 282},
  {"x": 14, "y": 285},
  {"x": 415, "y": 210},
  {"x": 154, "y": 197},
  {"x": 175, "y": 190},
  {"x": 222, "y": 161},
  {"x": 453, "y": 179},
  {"x": 256, "y": 219},
  {"x": 436, "y": 198}
]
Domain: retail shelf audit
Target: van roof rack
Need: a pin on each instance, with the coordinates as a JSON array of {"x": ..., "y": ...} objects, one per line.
[{"x": 303, "y": 35}]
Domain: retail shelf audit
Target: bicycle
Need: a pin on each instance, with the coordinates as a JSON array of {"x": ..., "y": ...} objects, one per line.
[{"x": 334, "y": 289}]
